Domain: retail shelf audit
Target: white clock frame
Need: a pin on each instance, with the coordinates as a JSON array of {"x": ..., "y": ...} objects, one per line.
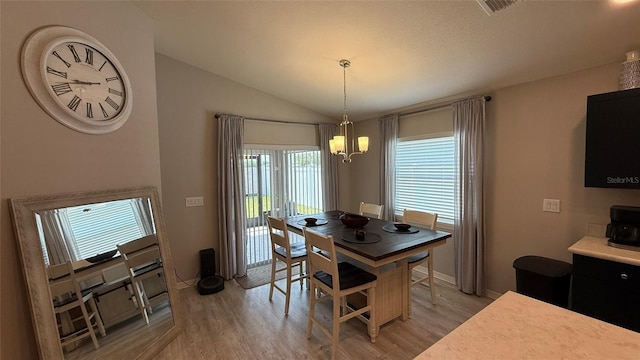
[{"x": 34, "y": 53}]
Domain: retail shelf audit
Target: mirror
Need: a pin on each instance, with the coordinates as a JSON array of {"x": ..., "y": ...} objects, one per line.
[{"x": 85, "y": 229}]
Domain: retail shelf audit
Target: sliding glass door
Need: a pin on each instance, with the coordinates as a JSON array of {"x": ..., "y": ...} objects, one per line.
[{"x": 279, "y": 183}]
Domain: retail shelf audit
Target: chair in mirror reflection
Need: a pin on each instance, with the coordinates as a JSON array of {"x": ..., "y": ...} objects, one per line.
[
  {"x": 53, "y": 229},
  {"x": 143, "y": 262},
  {"x": 290, "y": 254},
  {"x": 371, "y": 210},
  {"x": 428, "y": 221},
  {"x": 75, "y": 321}
]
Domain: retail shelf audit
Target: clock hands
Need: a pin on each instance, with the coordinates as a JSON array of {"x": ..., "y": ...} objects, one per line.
[
  {"x": 80, "y": 82},
  {"x": 84, "y": 82}
]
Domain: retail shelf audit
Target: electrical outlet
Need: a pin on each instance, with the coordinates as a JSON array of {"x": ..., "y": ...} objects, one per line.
[
  {"x": 551, "y": 205},
  {"x": 194, "y": 201}
]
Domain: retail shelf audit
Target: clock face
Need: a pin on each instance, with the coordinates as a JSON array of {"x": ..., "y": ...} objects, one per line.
[
  {"x": 83, "y": 81},
  {"x": 76, "y": 80}
]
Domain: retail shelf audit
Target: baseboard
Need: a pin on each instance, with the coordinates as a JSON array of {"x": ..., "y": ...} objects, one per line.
[
  {"x": 180, "y": 284},
  {"x": 444, "y": 277},
  {"x": 493, "y": 294},
  {"x": 451, "y": 280}
]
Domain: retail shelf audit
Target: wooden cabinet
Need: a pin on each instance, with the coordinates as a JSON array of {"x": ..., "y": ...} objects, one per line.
[
  {"x": 115, "y": 305},
  {"x": 606, "y": 290}
]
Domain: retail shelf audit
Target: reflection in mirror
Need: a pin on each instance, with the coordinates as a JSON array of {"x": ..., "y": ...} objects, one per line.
[
  {"x": 89, "y": 231},
  {"x": 115, "y": 244}
]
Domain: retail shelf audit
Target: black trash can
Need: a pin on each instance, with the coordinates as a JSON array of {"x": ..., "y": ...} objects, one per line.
[{"x": 543, "y": 278}]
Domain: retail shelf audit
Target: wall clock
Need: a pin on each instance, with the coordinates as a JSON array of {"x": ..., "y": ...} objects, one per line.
[{"x": 76, "y": 79}]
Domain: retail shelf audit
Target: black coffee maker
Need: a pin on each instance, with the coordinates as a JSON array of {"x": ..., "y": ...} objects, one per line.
[{"x": 624, "y": 229}]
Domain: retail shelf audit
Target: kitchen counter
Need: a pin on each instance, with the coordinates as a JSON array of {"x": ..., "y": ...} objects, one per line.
[
  {"x": 606, "y": 282},
  {"x": 597, "y": 247},
  {"x": 519, "y": 327}
]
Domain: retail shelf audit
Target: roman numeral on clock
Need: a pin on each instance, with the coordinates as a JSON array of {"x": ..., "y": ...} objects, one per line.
[
  {"x": 53, "y": 71},
  {"x": 115, "y": 92},
  {"x": 89, "y": 111},
  {"x": 76, "y": 57},
  {"x": 112, "y": 78},
  {"x": 104, "y": 112},
  {"x": 113, "y": 104},
  {"x": 89, "y": 58},
  {"x": 55, "y": 53},
  {"x": 61, "y": 89},
  {"x": 73, "y": 104}
]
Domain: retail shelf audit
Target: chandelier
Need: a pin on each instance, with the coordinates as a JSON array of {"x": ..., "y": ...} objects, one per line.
[{"x": 344, "y": 144}]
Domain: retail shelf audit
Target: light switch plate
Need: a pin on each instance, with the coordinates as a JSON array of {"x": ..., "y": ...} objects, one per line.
[
  {"x": 194, "y": 201},
  {"x": 551, "y": 205}
]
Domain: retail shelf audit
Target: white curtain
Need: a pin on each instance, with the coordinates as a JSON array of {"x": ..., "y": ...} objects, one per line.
[
  {"x": 329, "y": 170},
  {"x": 59, "y": 238},
  {"x": 388, "y": 140},
  {"x": 142, "y": 213},
  {"x": 231, "y": 219},
  {"x": 469, "y": 228}
]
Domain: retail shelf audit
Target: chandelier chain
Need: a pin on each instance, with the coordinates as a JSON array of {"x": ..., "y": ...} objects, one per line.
[
  {"x": 344, "y": 82},
  {"x": 344, "y": 144}
]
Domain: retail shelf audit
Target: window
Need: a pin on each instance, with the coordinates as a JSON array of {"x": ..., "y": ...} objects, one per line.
[
  {"x": 100, "y": 227},
  {"x": 92, "y": 229},
  {"x": 278, "y": 182},
  {"x": 425, "y": 174}
]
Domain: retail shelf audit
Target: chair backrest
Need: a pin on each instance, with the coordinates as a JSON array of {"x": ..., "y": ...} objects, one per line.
[
  {"x": 140, "y": 252},
  {"x": 420, "y": 218},
  {"x": 62, "y": 280},
  {"x": 146, "y": 256},
  {"x": 137, "y": 245},
  {"x": 278, "y": 233},
  {"x": 321, "y": 255},
  {"x": 371, "y": 210}
]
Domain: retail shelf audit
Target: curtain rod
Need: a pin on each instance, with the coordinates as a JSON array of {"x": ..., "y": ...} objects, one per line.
[
  {"x": 435, "y": 107},
  {"x": 439, "y": 106},
  {"x": 282, "y": 121}
]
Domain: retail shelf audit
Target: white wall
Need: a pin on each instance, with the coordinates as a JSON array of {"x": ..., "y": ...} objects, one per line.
[
  {"x": 535, "y": 151},
  {"x": 41, "y": 156},
  {"x": 188, "y": 99}
]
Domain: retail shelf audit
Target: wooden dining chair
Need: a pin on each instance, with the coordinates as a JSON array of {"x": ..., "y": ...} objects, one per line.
[
  {"x": 337, "y": 280},
  {"x": 143, "y": 261},
  {"x": 428, "y": 221},
  {"x": 67, "y": 296},
  {"x": 371, "y": 210},
  {"x": 290, "y": 254}
]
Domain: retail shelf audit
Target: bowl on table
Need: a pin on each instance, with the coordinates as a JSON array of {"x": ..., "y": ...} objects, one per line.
[
  {"x": 401, "y": 226},
  {"x": 310, "y": 220},
  {"x": 354, "y": 221},
  {"x": 101, "y": 257}
]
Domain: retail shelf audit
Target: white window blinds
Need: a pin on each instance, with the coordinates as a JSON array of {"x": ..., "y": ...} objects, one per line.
[
  {"x": 100, "y": 227},
  {"x": 425, "y": 176}
]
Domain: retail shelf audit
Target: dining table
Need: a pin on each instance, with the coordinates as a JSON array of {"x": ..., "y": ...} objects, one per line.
[{"x": 383, "y": 251}]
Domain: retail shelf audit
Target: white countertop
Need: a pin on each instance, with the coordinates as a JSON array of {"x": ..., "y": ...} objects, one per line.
[
  {"x": 519, "y": 327},
  {"x": 597, "y": 247}
]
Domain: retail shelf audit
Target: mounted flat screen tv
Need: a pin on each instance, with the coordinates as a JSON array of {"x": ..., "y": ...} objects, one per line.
[{"x": 612, "y": 158}]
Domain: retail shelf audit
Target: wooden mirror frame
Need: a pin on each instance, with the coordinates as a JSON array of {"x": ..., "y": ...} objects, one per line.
[{"x": 23, "y": 210}]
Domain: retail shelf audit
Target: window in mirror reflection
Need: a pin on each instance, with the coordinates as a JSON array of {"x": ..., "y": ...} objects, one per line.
[{"x": 79, "y": 232}]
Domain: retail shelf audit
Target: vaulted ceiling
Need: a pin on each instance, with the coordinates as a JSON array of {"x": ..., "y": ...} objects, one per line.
[{"x": 402, "y": 52}]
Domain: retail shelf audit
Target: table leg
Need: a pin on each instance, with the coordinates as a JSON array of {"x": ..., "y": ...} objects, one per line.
[{"x": 406, "y": 289}]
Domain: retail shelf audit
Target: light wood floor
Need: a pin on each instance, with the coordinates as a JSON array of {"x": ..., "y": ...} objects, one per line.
[
  {"x": 125, "y": 338},
  {"x": 242, "y": 324}
]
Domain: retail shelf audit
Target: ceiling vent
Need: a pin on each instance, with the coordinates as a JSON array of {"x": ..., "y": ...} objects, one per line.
[{"x": 492, "y": 6}]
